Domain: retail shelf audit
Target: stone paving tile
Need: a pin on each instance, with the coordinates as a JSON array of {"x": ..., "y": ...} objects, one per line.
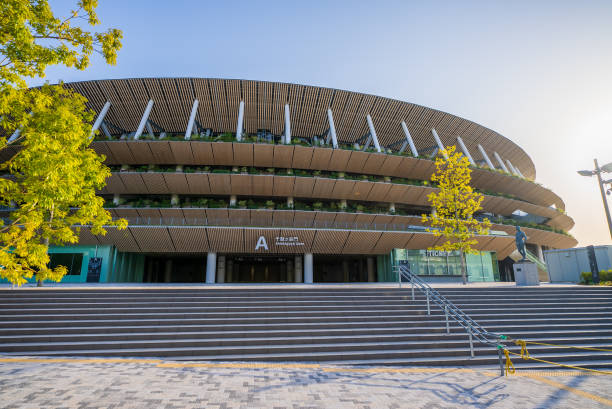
[{"x": 138, "y": 385}]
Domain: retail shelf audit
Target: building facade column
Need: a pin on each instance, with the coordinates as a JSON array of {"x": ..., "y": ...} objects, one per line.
[
  {"x": 371, "y": 270},
  {"x": 168, "y": 271},
  {"x": 540, "y": 253},
  {"x": 211, "y": 264},
  {"x": 297, "y": 275},
  {"x": 308, "y": 273},
  {"x": 221, "y": 269}
]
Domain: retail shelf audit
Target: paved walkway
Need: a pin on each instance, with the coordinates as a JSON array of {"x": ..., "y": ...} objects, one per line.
[{"x": 100, "y": 383}]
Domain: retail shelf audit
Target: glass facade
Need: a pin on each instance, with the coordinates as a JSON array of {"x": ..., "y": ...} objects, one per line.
[{"x": 480, "y": 267}]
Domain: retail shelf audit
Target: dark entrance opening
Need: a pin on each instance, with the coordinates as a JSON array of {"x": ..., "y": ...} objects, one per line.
[
  {"x": 259, "y": 269},
  {"x": 342, "y": 269},
  {"x": 161, "y": 268}
]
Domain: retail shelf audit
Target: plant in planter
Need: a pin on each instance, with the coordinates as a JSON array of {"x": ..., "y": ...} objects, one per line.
[
  {"x": 242, "y": 204},
  {"x": 359, "y": 208},
  {"x": 317, "y": 205},
  {"x": 270, "y": 204},
  {"x": 270, "y": 171}
]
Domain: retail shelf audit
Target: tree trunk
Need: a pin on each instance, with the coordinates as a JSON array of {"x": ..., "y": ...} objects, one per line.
[{"x": 463, "y": 268}]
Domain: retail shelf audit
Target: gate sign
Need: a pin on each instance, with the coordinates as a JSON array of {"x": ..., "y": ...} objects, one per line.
[{"x": 292, "y": 241}]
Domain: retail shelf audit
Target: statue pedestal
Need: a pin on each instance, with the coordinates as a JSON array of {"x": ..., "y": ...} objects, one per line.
[{"x": 526, "y": 273}]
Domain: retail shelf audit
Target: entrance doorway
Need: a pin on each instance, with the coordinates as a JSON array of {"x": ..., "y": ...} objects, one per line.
[
  {"x": 259, "y": 269},
  {"x": 344, "y": 269},
  {"x": 174, "y": 269}
]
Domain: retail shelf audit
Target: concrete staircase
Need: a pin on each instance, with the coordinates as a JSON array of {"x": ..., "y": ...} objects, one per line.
[{"x": 339, "y": 325}]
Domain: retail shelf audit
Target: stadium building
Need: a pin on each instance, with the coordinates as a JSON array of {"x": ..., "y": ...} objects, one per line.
[{"x": 227, "y": 181}]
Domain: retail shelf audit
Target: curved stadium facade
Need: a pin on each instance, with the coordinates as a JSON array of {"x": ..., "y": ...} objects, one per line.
[{"x": 250, "y": 181}]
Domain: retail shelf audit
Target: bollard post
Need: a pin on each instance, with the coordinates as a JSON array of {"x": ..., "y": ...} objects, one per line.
[
  {"x": 428, "y": 309},
  {"x": 446, "y": 313},
  {"x": 501, "y": 361},
  {"x": 471, "y": 341}
]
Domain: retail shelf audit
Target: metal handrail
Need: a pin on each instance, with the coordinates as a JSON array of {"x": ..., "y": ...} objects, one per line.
[{"x": 473, "y": 328}]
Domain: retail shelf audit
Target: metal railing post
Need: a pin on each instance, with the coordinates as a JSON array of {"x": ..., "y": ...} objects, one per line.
[
  {"x": 428, "y": 309},
  {"x": 399, "y": 277},
  {"x": 412, "y": 285},
  {"x": 471, "y": 341},
  {"x": 447, "y": 325},
  {"x": 501, "y": 361}
]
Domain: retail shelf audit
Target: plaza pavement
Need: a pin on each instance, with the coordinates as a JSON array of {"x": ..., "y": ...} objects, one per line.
[{"x": 124, "y": 383}]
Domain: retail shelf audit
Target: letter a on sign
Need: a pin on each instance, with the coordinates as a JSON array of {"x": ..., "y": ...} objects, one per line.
[{"x": 261, "y": 242}]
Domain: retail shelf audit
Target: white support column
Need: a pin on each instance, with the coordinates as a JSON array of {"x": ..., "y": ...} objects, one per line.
[
  {"x": 287, "y": 125},
  {"x": 15, "y": 135},
  {"x": 211, "y": 267},
  {"x": 143, "y": 120},
  {"x": 192, "y": 116},
  {"x": 519, "y": 172},
  {"x": 540, "y": 253},
  {"x": 308, "y": 268},
  {"x": 465, "y": 150},
  {"x": 105, "y": 130},
  {"x": 486, "y": 157},
  {"x": 511, "y": 167},
  {"x": 500, "y": 161},
  {"x": 100, "y": 117},
  {"x": 413, "y": 148},
  {"x": 332, "y": 128},
  {"x": 150, "y": 129},
  {"x": 373, "y": 133},
  {"x": 240, "y": 121},
  {"x": 438, "y": 142}
]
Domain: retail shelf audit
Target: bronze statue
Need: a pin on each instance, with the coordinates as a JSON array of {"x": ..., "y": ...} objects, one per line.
[{"x": 521, "y": 239}]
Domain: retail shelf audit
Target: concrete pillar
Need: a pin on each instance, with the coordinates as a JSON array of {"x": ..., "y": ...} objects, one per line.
[
  {"x": 297, "y": 276},
  {"x": 192, "y": 116},
  {"x": 290, "y": 271},
  {"x": 391, "y": 207},
  {"x": 233, "y": 200},
  {"x": 413, "y": 148},
  {"x": 308, "y": 268},
  {"x": 465, "y": 150},
  {"x": 373, "y": 132},
  {"x": 486, "y": 157},
  {"x": 371, "y": 269},
  {"x": 116, "y": 199},
  {"x": 229, "y": 273},
  {"x": 438, "y": 142},
  {"x": 345, "y": 270},
  {"x": 332, "y": 128},
  {"x": 287, "y": 125},
  {"x": 174, "y": 200},
  {"x": 168, "y": 271},
  {"x": 240, "y": 121},
  {"x": 501, "y": 162},
  {"x": 290, "y": 202},
  {"x": 343, "y": 204},
  {"x": 211, "y": 264},
  {"x": 143, "y": 120},
  {"x": 100, "y": 117},
  {"x": 540, "y": 253},
  {"x": 221, "y": 269}
]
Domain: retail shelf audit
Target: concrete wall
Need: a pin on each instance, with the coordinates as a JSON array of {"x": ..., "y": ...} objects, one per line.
[{"x": 567, "y": 264}]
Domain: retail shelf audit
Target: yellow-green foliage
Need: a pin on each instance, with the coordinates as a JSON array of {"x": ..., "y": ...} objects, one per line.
[
  {"x": 455, "y": 204},
  {"x": 52, "y": 178}
]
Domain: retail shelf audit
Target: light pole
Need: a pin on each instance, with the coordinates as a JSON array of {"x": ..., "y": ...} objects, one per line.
[{"x": 606, "y": 168}]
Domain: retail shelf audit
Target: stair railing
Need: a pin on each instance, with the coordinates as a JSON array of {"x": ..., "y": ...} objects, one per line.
[{"x": 474, "y": 329}]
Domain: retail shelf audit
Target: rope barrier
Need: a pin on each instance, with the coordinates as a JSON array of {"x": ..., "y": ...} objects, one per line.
[
  {"x": 512, "y": 371},
  {"x": 564, "y": 346}
]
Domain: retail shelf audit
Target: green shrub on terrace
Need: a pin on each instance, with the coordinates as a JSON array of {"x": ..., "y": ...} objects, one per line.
[{"x": 605, "y": 277}]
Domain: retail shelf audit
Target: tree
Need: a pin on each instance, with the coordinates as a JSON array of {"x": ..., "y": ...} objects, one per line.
[
  {"x": 51, "y": 175},
  {"x": 454, "y": 206}
]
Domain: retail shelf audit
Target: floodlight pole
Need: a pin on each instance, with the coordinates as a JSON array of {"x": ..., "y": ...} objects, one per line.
[{"x": 603, "y": 196}]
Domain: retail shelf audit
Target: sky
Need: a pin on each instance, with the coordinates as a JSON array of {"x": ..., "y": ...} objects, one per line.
[{"x": 538, "y": 72}]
